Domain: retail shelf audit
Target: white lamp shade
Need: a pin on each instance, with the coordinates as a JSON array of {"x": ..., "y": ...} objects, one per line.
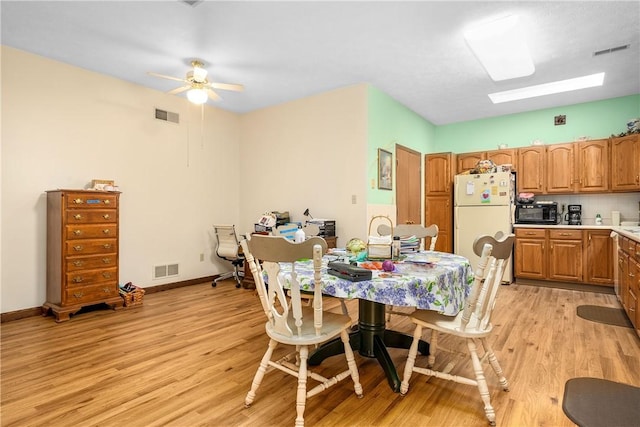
[
  {"x": 199, "y": 74},
  {"x": 197, "y": 96}
]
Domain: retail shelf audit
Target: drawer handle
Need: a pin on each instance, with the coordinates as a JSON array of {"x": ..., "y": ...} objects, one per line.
[
  {"x": 565, "y": 234},
  {"x": 106, "y": 202},
  {"x": 77, "y": 279},
  {"x": 77, "y": 263},
  {"x": 106, "y": 260},
  {"x": 78, "y": 248},
  {"x": 77, "y": 232},
  {"x": 106, "y": 290},
  {"x": 106, "y": 216},
  {"x": 107, "y": 246},
  {"x": 78, "y": 294},
  {"x": 78, "y": 201},
  {"x": 106, "y": 231},
  {"x": 530, "y": 233},
  {"x": 106, "y": 275},
  {"x": 77, "y": 216}
]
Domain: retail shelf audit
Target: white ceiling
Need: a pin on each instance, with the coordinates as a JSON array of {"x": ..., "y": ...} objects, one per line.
[{"x": 413, "y": 51}]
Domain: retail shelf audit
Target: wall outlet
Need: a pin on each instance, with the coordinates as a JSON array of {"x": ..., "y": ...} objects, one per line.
[
  {"x": 354, "y": 199},
  {"x": 201, "y": 257}
]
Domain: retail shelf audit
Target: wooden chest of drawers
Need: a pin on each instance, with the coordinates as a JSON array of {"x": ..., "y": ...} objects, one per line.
[{"x": 82, "y": 251}]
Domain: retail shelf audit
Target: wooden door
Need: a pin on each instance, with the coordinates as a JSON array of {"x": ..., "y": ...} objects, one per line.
[
  {"x": 531, "y": 169},
  {"x": 599, "y": 265},
  {"x": 625, "y": 163},
  {"x": 439, "y": 197},
  {"x": 408, "y": 186},
  {"x": 560, "y": 169},
  {"x": 592, "y": 166}
]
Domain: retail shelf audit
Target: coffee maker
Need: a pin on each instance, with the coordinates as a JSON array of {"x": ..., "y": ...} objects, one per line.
[{"x": 574, "y": 215}]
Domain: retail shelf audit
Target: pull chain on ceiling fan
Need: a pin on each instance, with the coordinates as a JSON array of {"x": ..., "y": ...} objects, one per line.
[{"x": 198, "y": 87}]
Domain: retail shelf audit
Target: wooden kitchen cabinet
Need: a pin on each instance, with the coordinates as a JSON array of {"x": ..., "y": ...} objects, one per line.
[
  {"x": 599, "y": 257},
  {"x": 82, "y": 251},
  {"x": 468, "y": 161},
  {"x": 560, "y": 169},
  {"x": 592, "y": 166},
  {"x": 439, "y": 174},
  {"x": 565, "y": 255},
  {"x": 504, "y": 157},
  {"x": 531, "y": 169},
  {"x": 530, "y": 253},
  {"x": 628, "y": 289},
  {"x": 625, "y": 163}
]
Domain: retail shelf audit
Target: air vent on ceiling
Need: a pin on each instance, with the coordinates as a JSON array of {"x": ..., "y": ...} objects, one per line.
[
  {"x": 611, "y": 50},
  {"x": 167, "y": 116}
]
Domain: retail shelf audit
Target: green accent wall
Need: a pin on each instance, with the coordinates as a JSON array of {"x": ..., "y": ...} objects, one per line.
[
  {"x": 390, "y": 123},
  {"x": 596, "y": 120}
]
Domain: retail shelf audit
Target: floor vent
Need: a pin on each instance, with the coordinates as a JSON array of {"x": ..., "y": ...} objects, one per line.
[
  {"x": 168, "y": 270},
  {"x": 167, "y": 116},
  {"x": 611, "y": 50}
]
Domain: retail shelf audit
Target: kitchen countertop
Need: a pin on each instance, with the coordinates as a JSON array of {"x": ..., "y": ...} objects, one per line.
[{"x": 630, "y": 231}]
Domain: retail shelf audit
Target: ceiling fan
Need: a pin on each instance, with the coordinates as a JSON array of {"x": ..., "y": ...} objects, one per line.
[{"x": 199, "y": 88}]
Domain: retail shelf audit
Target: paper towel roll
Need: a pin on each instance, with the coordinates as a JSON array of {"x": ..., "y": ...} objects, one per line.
[{"x": 615, "y": 217}]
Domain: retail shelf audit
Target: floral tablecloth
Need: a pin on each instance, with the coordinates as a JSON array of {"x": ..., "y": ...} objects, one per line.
[{"x": 427, "y": 280}]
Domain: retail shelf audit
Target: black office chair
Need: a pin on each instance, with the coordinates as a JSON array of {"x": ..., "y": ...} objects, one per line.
[{"x": 228, "y": 249}]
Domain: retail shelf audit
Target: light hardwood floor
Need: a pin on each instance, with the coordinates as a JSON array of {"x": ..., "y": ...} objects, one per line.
[{"x": 188, "y": 355}]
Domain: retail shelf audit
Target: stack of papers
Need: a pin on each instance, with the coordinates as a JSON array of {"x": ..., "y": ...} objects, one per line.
[{"x": 409, "y": 244}]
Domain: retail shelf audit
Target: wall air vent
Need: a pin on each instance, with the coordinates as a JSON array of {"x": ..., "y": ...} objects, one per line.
[
  {"x": 167, "y": 116},
  {"x": 611, "y": 50},
  {"x": 192, "y": 3},
  {"x": 167, "y": 270}
]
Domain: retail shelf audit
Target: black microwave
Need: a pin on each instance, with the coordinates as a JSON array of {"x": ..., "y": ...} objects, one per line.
[{"x": 537, "y": 213}]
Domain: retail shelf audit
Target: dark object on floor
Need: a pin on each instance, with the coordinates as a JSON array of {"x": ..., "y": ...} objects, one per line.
[
  {"x": 594, "y": 402},
  {"x": 609, "y": 315}
]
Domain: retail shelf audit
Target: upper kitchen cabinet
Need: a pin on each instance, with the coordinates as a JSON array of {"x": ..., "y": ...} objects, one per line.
[
  {"x": 625, "y": 163},
  {"x": 560, "y": 165},
  {"x": 504, "y": 157},
  {"x": 439, "y": 173},
  {"x": 468, "y": 161},
  {"x": 592, "y": 166},
  {"x": 531, "y": 168}
]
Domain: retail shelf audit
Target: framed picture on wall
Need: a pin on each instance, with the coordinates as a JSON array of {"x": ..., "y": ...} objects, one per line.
[{"x": 385, "y": 170}]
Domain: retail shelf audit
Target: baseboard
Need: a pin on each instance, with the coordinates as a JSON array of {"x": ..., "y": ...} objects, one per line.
[
  {"x": 600, "y": 289},
  {"x": 37, "y": 311}
]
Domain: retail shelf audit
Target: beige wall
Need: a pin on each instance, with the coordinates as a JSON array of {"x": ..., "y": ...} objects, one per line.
[
  {"x": 63, "y": 126},
  {"x": 308, "y": 153}
]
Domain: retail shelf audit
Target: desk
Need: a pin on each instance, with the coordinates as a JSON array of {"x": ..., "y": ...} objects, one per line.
[{"x": 425, "y": 280}]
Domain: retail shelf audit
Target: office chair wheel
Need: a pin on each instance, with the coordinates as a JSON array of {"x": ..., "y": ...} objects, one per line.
[
  {"x": 213, "y": 284},
  {"x": 238, "y": 285}
]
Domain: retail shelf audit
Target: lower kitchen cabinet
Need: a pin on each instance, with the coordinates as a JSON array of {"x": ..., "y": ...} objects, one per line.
[
  {"x": 564, "y": 255},
  {"x": 628, "y": 277}
]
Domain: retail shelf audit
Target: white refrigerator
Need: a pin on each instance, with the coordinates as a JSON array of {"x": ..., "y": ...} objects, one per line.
[{"x": 483, "y": 204}]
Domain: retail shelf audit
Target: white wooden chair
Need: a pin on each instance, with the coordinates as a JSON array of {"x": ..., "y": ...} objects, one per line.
[
  {"x": 473, "y": 323},
  {"x": 403, "y": 230},
  {"x": 292, "y": 323}
]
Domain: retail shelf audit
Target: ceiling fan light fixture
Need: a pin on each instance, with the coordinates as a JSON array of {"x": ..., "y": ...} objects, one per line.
[
  {"x": 501, "y": 48},
  {"x": 199, "y": 74},
  {"x": 197, "y": 96}
]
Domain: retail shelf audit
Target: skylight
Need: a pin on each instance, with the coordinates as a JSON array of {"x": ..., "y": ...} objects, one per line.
[
  {"x": 577, "y": 83},
  {"x": 501, "y": 48}
]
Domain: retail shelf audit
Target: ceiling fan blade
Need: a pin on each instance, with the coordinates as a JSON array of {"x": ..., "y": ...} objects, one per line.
[
  {"x": 162, "y": 76},
  {"x": 227, "y": 86},
  {"x": 178, "y": 90},
  {"x": 214, "y": 96}
]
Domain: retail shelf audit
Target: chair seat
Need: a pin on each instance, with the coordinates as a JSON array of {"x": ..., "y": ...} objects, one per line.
[
  {"x": 332, "y": 325},
  {"x": 434, "y": 320}
]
